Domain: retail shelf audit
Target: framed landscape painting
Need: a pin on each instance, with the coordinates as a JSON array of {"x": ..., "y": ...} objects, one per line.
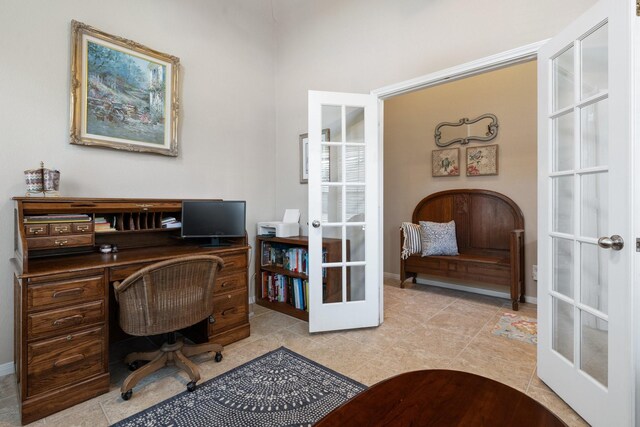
[{"x": 123, "y": 94}]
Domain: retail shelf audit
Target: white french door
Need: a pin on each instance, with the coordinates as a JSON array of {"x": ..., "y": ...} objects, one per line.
[
  {"x": 344, "y": 279},
  {"x": 584, "y": 250}
]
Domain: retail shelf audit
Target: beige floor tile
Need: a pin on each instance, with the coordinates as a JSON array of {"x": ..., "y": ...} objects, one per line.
[
  {"x": 117, "y": 409},
  {"x": 516, "y": 375},
  {"x": 456, "y": 323},
  {"x": 8, "y": 386},
  {"x": 425, "y": 327},
  {"x": 9, "y": 411},
  {"x": 86, "y": 414},
  {"x": 557, "y": 406}
]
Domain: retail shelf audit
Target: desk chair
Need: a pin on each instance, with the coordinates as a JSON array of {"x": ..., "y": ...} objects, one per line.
[{"x": 161, "y": 299}]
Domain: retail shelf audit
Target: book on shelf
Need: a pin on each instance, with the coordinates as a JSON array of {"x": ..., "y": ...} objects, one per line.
[
  {"x": 102, "y": 225},
  {"x": 290, "y": 258},
  {"x": 280, "y": 288}
]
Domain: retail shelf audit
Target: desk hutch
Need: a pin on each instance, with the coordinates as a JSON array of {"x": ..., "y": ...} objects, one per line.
[{"x": 63, "y": 302}]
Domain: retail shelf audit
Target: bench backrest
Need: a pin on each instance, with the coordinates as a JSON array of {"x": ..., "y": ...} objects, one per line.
[{"x": 484, "y": 219}]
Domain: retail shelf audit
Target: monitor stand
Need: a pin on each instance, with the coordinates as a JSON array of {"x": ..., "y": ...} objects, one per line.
[{"x": 215, "y": 243}]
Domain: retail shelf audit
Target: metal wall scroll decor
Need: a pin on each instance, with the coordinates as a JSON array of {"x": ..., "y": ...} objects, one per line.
[{"x": 454, "y": 136}]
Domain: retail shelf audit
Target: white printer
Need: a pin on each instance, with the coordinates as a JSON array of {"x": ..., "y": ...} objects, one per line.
[{"x": 286, "y": 228}]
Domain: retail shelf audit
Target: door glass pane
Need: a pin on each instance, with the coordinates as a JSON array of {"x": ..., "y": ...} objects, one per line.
[
  {"x": 594, "y": 133},
  {"x": 355, "y": 244},
  {"x": 594, "y": 352},
  {"x": 563, "y": 143},
  {"x": 563, "y": 266},
  {"x": 331, "y": 284},
  {"x": 563, "y": 203},
  {"x": 331, "y": 171},
  {"x": 331, "y": 203},
  {"x": 594, "y": 205},
  {"x": 563, "y": 77},
  {"x": 594, "y": 49},
  {"x": 594, "y": 290},
  {"x": 562, "y": 332},
  {"x": 332, "y": 120},
  {"x": 325, "y": 166},
  {"x": 356, "y": 281},
  {"x": 354, "y": 163},
  {"x": 355, "y": 124},
  {"x": 355, "y": 203}
]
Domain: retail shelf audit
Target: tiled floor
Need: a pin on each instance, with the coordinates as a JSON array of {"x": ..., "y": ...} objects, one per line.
[{"x": 424, "y": 328}]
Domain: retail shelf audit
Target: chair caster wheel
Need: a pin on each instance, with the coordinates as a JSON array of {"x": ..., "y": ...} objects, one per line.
[
  {"x": 133, "y": 365},
  {"x": 127, "y": 394},
  {"x": 218, "y": 357},
  {"x": 191, "y": 386}
]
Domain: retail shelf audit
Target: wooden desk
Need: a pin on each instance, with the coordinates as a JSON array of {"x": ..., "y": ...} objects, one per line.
[
  {"x": 63, "y": 302},
  {"x": 441, "y": 398}
]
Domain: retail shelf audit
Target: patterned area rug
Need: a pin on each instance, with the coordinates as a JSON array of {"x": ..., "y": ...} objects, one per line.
[
  {"x": 280, "y": 388},
  {"x": 517, "y": 327}
]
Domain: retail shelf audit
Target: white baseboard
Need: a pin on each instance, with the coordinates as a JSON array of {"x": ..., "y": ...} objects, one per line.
[
  {"x": 6, "y": 369},
  {"x": 458, "y": 287}
]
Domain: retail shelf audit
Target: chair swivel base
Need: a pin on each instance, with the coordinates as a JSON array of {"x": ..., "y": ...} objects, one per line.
[{"x": 176, "y": 353}]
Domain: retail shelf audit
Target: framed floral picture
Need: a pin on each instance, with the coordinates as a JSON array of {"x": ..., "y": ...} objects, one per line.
[
  {"x": 482, "y": 160},
  {"x": 445, "y": 162},
  {"x": 123, "y": 95}
]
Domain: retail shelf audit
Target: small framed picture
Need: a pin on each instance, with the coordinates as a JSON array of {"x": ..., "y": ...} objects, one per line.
[
  {"x": 482, "y": 160},
  {"x": 445, "y": 162},
  {"x": 304, "y": 154}
]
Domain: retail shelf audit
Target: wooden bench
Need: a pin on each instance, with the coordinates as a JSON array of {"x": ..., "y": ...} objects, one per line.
[{"x": 490, "y": 237}]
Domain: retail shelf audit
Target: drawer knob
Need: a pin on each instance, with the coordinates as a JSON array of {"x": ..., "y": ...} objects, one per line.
[
  {"x": 61, "y": 242},
  {"x": 69, "y": 337},
  {"x": 212, "y": 319}
]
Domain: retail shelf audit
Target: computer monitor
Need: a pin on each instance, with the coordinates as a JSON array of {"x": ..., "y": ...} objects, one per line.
[{"x": 213, "y": 219}]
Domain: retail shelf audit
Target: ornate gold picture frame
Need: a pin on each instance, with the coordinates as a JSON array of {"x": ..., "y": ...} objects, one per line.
[{"x": 123, "y": 95}]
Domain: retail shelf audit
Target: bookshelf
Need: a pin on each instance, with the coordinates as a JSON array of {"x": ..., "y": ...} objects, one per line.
[{"x": 282, "y": 273}]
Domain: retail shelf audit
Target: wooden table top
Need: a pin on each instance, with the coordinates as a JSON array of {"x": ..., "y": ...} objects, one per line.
[{"x": 441, "y": 398}]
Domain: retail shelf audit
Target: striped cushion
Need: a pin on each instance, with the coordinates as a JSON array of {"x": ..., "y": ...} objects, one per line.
[{"x": 412, "y": 242}]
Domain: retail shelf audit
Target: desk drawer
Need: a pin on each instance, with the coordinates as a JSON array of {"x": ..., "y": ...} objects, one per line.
[
  {"x": 233, "y": 262},
  {"x": 67, "y": 292},
  {"x": 64, "y": 319},
  {"x": 36, "y": 229},
  {"x": 229, "y": 310},
  {"x": 70, "y": 240},
  {"x": 60, "y": 361},
  {"x": 55, "y": 229},
  {"x": 230, "y": 282}
]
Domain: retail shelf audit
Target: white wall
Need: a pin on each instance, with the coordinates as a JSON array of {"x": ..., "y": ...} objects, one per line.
[
  {"x": 361, "y": 45},
  {"x": 226, "y": 136}
]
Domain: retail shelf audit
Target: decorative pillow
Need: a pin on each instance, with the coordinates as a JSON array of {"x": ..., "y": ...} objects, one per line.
[
  {"x": 439, "y": 238},
  {"x": 412, "y": 241}
]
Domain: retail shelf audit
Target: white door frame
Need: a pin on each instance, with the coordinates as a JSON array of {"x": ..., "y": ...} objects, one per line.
[{"x": 501, "y": 60}]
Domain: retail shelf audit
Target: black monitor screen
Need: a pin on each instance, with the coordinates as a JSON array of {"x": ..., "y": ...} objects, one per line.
[{"x": 213, "y": 218}]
